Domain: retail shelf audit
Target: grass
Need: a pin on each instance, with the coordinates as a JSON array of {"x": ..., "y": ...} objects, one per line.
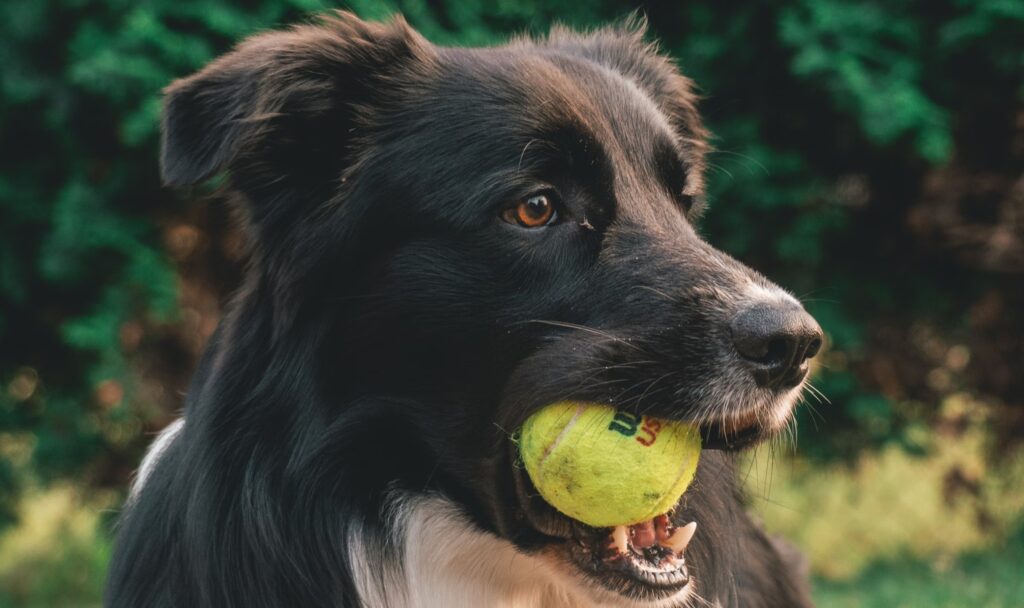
[
  {"x": 892, "y": 506},
  {"x": 988, "y": 579},
  {"x": 57, "y": 556},
  {"x": 940, "y": 528}
]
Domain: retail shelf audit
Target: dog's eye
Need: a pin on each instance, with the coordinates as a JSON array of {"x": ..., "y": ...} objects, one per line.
[{"x": 533, "y": 212}]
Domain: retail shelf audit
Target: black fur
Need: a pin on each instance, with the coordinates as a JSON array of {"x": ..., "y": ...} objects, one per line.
[{"x": 392, "y": 329}]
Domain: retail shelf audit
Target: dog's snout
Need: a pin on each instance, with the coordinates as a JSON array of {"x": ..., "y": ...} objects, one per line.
[{"x": 775, "y": 342}]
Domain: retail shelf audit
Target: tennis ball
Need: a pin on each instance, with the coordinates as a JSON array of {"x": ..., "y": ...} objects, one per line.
[{"x": 608, "y": 468}]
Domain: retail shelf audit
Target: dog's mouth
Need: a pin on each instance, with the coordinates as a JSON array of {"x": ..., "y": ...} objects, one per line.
[
  {"x": 645, "y": 561},
  {"x": 733, "y": 433}
]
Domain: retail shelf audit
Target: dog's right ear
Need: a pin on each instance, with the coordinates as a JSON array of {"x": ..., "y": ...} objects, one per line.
[
  {"x": 281, "y": 99},
  {"x": 622, "y": 47}
]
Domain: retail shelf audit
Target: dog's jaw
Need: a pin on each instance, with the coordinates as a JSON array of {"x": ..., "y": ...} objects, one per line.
[{"x": 447, "y": 561}]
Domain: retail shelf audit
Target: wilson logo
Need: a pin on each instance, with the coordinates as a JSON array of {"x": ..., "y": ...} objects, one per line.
[{"x": 644, "y": 429}]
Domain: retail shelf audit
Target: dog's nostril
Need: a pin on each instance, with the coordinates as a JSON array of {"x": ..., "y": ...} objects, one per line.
[
  {"x": 774, "y": 341},
  {"x": 779, "y": 349},
  {"x": 812, "y": 348}
]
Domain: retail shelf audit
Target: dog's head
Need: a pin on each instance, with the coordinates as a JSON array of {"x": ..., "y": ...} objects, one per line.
[{"x": 468, "y": 235}]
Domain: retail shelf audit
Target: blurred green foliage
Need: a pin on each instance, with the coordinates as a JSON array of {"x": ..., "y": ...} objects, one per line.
[{"x": 829, "y": 116}]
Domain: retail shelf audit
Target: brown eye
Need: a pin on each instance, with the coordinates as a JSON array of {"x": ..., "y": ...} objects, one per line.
[{"x": 533, "y": 212}]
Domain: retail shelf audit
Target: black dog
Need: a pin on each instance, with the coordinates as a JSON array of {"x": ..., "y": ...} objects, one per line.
[{"x": 443, "y": 241}]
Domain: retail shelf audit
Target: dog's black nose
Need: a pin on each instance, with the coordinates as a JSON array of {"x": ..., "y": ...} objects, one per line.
[{"x": 775, "y": 341}]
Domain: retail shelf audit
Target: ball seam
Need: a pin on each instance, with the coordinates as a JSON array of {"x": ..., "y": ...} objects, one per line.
[{"x": 565, "y": 429}]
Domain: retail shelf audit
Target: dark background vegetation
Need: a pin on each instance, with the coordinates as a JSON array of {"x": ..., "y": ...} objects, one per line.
[{"x": 870, "y": 157}]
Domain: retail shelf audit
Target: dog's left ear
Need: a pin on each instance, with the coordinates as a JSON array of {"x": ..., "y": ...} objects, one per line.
[{"x": 281, "y": 106}]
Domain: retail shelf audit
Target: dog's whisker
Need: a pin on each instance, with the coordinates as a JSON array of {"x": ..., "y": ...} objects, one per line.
[
  {"x": 648, "y": 389},
  {"x": 592, "y": 330},
  {"x": 618, "y": 397},
  {"x": 721, "y": 169},
  {"x": 817, "y": 393},
  {"x": 522, "y": 154},
  {"x": 744, "y": 157},
  {"x": 661, "y": 293}
]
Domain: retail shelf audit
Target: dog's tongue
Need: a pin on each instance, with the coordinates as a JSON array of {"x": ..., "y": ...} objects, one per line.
[{"x": 646, "y": 534}]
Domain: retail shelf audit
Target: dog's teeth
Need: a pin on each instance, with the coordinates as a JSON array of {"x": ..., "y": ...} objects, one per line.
[
  {"x": 680, "y": 538},
  {"x": 620, "y": 539},
  {"x": 643, "y": 534},
  {"x": 663, "y": 527}
]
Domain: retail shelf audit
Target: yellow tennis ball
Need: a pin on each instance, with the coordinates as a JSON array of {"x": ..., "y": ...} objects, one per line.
[{"x": 608, "y": 468}]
